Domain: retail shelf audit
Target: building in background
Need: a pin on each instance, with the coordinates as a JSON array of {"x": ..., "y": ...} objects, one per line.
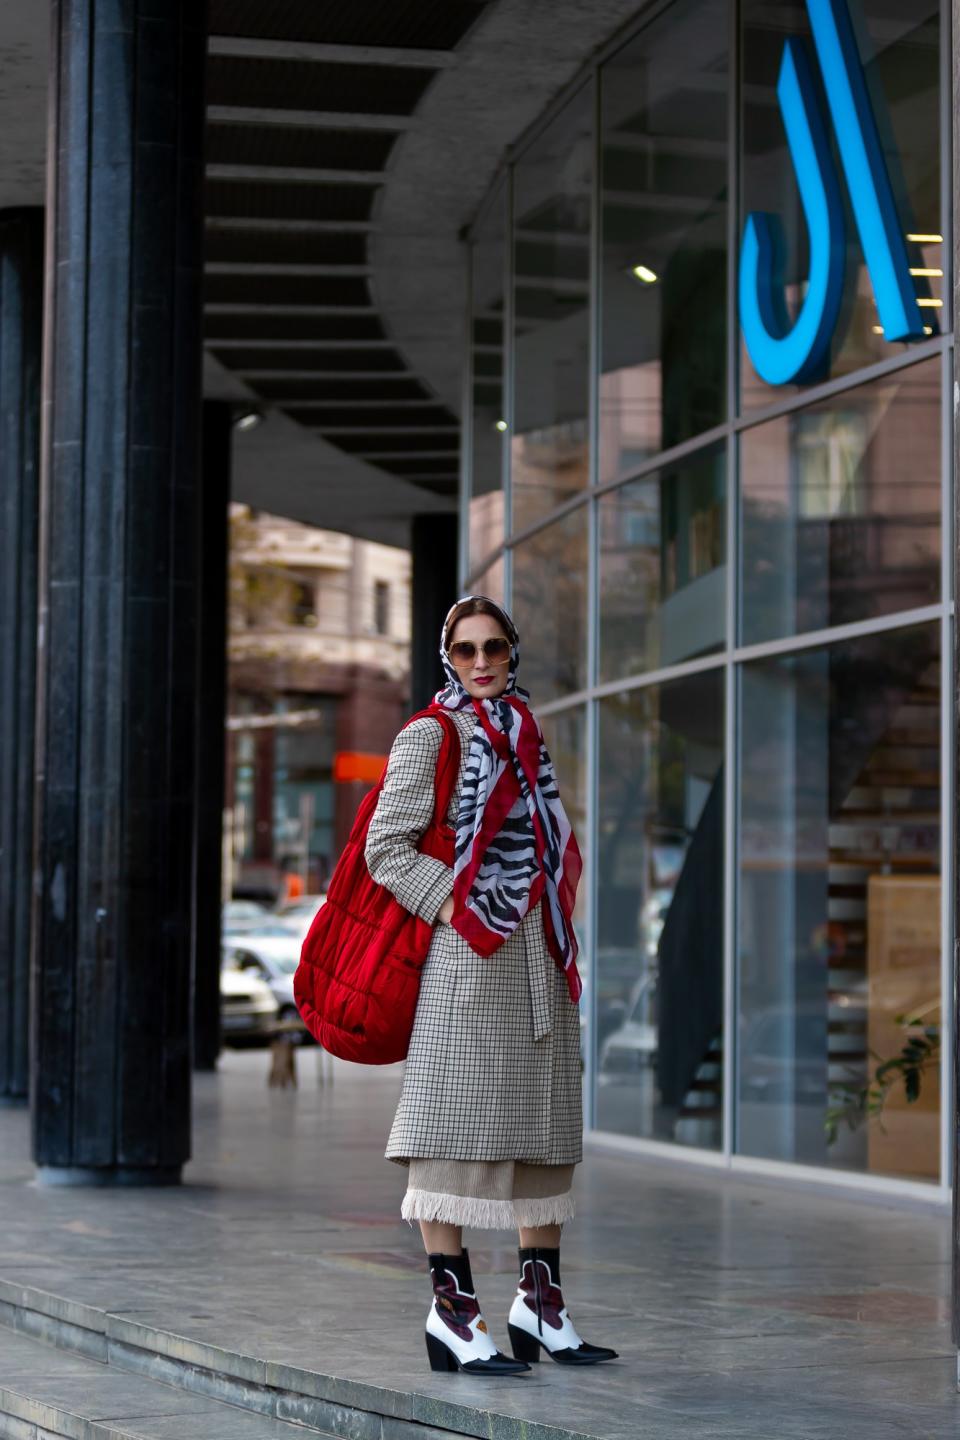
[{"x": 318, "y": 685}]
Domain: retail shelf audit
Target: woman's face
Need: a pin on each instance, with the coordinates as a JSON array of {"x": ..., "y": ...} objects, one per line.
[{"x": 481, "y": 677}]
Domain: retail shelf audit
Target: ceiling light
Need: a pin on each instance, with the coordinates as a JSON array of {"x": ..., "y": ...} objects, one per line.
[
  {"x": 926, "y": 270},
  {"x": 501, "y": 425},
  {"x": 928, "y": 329},
  {"x": 878, "y": 329},
  {"x": 928, "y": 302},
  {"x": 926, "y": 239},
  {"x": 247, "y": 420},
  {"x": 644, "y": 273}
]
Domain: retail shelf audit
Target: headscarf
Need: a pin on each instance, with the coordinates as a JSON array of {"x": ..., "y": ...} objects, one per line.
[{"x": 514, "y": 843}]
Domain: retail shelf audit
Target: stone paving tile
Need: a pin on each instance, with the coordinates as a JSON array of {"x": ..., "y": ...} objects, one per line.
[
  {"x": 110, "y": 1396},
  {"x": 742, "y": 1308}
]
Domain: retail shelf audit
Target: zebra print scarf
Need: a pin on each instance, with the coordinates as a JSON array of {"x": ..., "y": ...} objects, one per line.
[{"x": 514, "y": 843}]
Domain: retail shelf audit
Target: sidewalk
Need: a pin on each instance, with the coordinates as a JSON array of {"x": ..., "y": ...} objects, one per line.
[{"x": 742, "y": 1310}]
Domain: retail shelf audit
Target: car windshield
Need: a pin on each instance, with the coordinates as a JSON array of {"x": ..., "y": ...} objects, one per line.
[
  {"x": 287, "y": 965},
  {"x": 243, "y": 910},
  {"x": 268, "y": 931}
]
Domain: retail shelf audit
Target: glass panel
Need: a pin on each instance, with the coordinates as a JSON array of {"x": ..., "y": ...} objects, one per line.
[
  {"x": 900, "y": 50},
  {"x": 486, "y": 476},
  {"x": 660, "y": 912},
  {"x": 664, "y": 242},
  {"x": 488, "y": 582},
  {"x": 840, "y": 508},
  {"x": 840, "y": 904},
  {"x": 662, "y": 570},
  {"x": 552, "y": 189},
  {"x": 550, "y": 607},
  {"x": 565, "y": 735}
]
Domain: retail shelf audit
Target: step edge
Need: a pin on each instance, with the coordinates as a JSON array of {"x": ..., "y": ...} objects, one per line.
[{"x": 291, "y": 1387}]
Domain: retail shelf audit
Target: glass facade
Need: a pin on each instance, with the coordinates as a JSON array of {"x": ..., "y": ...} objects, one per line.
[{"x": 734, "y": 598}]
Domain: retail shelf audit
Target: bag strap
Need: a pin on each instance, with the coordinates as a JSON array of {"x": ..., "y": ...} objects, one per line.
[{"x": 448, "y": 761}]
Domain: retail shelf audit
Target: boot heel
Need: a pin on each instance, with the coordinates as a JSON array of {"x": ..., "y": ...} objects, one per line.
[
  {"x": 440, "y": 1357},
  {"x": 525, "y": 1347}
]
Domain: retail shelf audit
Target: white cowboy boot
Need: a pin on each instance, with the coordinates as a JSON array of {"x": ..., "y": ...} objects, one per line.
[
  {"x": 457, "y": 1335},
  {"x": 538, "y": 1315}
]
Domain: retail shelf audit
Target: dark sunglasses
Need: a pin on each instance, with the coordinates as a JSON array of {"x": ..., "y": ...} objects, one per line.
[{"x": 464, "y": 652}]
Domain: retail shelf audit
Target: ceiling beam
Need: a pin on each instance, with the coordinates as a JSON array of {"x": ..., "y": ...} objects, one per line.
[
  {"x": 377, "y": 457},
  {"x": 338, "y": 405},
  {"x": 306, "y": 119},
  {"x": 227, "y": 307},
  {"x": 379, "y": 375},
  {"x": 294, "y": 174},
  {"x": 257, "y": 342},
  {"x": 257, "y": 267},
  {"x": 244, "y": 48},
  {"x": 397, "y": 430},
  {"x": 289, "y": 227}
]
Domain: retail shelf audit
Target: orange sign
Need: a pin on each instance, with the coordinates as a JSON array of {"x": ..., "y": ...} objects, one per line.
[{"x": 357, "y": 765}]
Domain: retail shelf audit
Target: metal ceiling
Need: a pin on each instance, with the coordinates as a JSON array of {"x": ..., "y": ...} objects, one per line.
[
  {"x": 306, "y": 102},
  {"x": 348, "y": 144}
]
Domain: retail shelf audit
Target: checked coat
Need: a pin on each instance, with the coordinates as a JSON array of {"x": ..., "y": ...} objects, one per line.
[{"x": 493, "y": 1071}]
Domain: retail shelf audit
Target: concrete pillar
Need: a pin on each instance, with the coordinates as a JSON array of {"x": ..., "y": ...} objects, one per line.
[
  {"x": 954, "y": 1038},
  {"x": 211, "y": 712},
  {"x": 433, "y": 544},
  {"x": 21, "y": 305},
  {"x": 111, "y": 1012}
]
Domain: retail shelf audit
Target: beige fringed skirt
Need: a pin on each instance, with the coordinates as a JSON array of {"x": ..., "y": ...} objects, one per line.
[{"x": 488, "y": 1194}]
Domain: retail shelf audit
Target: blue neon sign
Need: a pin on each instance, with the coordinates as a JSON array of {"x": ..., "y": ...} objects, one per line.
[{"x": 782, "y": 352}]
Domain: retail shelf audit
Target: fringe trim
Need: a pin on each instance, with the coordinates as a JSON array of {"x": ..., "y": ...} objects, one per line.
[
  {"x": 544, "y": 1209},
  {"x": 486, "y": 1214}
]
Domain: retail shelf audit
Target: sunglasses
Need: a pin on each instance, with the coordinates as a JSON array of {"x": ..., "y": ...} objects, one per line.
[{"x": 464, "y": 652}]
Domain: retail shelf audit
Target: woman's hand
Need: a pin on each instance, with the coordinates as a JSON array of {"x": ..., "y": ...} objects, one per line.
[{"x": 445, "y": 913}]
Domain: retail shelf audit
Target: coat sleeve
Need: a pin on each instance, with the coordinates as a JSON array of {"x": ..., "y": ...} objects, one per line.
[{"x": 420, "y": 883}]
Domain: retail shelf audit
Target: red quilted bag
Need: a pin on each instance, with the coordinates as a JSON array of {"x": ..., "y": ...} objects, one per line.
[{"x": 357, "y": 983}]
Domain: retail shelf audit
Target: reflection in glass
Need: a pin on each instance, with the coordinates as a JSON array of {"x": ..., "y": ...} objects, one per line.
[
  {"x": 565, "y": 736},
  {"x": 839, "y": 910},
  {"x": 488, "y": 259},
  {"x": 488, "y": 582},
  {"x": 664, "y": 199},
  {"x": 550, "y": 607},
  {"x": 840, "y": 508},
  {"x": 900, "y": 51},
  {"x": 659, "y": 962},
  {"x": 552, "y": 189},
  {"x": 662, "y": 570}
]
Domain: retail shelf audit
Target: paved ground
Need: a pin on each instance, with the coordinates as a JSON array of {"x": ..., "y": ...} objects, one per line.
[{"x": 743, "y": 1310}]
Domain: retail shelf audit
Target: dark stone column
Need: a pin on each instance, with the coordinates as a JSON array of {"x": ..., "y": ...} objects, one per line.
[
  {"x": 21, "y": 308},
  {"x": 111, "y": 997},
  {"x": 433, "y": 543},
  {"x": 211, "y": 710},
  {"x": 954, "y": 1038}
]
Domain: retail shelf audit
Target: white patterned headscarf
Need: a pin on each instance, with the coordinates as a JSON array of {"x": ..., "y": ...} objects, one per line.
[{"x": 514, "y": 843}]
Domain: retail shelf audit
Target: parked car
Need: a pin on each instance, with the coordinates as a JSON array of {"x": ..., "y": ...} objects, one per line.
[
  {"x": 297, "y": 914},
  {"x": 248, "y": 1009},
  {"x": 633, "y": 1045},
  {"x": 270, "y": 953},
  {"x": 242, "y": 914}
]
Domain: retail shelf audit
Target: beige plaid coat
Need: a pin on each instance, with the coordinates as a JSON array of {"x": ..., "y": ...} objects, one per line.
[{"x": 493, "y": 1071}]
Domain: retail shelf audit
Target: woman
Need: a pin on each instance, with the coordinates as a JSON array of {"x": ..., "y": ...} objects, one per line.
[{"x": 489, "y": 1120}]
